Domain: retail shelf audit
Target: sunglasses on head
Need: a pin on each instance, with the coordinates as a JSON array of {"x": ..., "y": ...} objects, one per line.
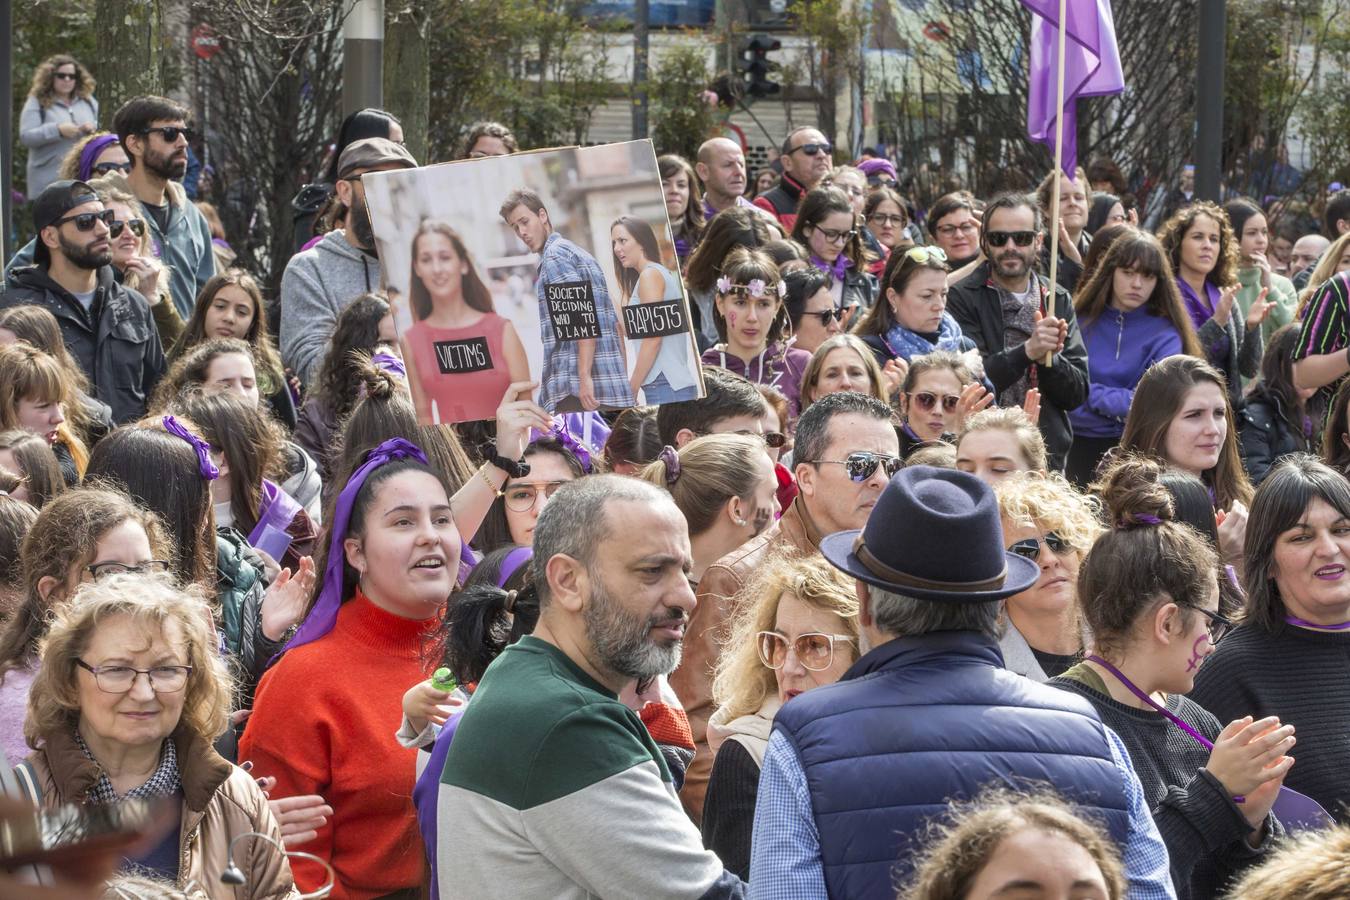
[
  {"x": 171, "y": 133},
  {"x": 922, "y": 255},
  {"x": 1031, "y": 547},
  {"x": 825, "y": 315},
  {"x": 85, "y": 221},
  {"x": 1020, "y": 238},
  {"x": 137, "y": 227},
  {"x": 812, "y": 149},
  {"x": 105, "y": 168},
  {"x": 862, "y": 464},
  {"x": 927, "y": 400}
]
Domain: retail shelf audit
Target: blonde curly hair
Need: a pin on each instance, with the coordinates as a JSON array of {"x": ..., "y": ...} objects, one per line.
[
  {"x": 743, "y": 682},
  {"x": 45, "y": 75},
  {"x": 1048, "y": 502},
  {"x": 152, "y": 602}
]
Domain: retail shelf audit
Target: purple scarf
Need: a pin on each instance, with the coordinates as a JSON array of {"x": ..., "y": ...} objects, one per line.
[
  {"x": 276, "y": 512},
  {"x": 90, "y": 153},
  {"x": 838, "y": 269}
]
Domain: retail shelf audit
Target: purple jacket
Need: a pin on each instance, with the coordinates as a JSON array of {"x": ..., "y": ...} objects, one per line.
[
  {"x": 1120, "y": 347},
  {"x": 777, "y": 367}
]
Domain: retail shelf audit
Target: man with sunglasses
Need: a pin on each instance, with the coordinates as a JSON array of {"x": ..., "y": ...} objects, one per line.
[
  {"x": 1004, "y": 307},
  {"x": 108, "y": 328},
  {"x": 855, "y": 770},
  {"x": 846, "y": 450},
  {"x": 806, "y": 158},
  {"x": 153, "y": 131}
]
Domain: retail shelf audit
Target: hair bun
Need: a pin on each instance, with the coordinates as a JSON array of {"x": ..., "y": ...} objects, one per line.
[
  {"x": 1132, "y": 491},
  {"x": 376, "y": 383}
]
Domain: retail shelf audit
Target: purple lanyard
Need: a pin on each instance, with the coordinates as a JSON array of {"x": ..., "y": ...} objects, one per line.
[
  {"x": 1130, "y": 686},
  {"x": 1303, "y": 623}
]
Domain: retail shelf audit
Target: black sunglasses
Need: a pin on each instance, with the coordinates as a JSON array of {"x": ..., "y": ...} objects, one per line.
[
  {"x": 1020, "y": 238},
  {"x": 812, "y": 149},
  {"x": 105, "y": 168},
  {"x": 826, "y": 315},
  {"x": 861, "y": 465},
  {"x": 1031, "y": 547},
  {"x": 116, "y": 225},
  {"x": 171, "y": 133},
  {"x": 85, "y": 221},
  {"x": 65, "y": 76}
]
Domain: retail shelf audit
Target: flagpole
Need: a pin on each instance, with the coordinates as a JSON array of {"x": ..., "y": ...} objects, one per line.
[{"x": 1059, "y": 167}]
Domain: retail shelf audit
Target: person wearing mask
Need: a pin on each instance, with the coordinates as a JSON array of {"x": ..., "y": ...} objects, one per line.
[
  {"x": 1204, "y": 254},
  {"x": 103, "y": 733},
  {"x": 998, "y": 442},
  {"x": 1286, "y": 656},
  {"x": 1275, "y": 422},
  {"x": 609, "y": 565},
  {"x": 1131, "y": 316},
  {"x": 1073, "y": 218},
  {"x": 806, "y": 158},
  {"x": 60, "y": 109},
  {"x": 827, "y": 226},
  {"x": 1151, "y": 599},
  {"x": 1018, "y": 321},
  {"x": 1256, "y": 279},
  {"x": 797, "y": 629},
  {"x": 931, "y": 570},
  {"x": 1050, "y": 523},
  {"x": 846, "y": 450},
  {"x": 684, "y": 205},
  {"x": 954, "y": 226},
  {"x": 108, "y": 328},
  {"x": 320, "y": 282}
]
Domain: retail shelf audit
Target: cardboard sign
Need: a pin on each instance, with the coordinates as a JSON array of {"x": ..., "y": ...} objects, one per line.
[
  {"x": 653, "y": 320},
  {"x": 571, "y": 310},
  {"x": 458, "y": 357}
]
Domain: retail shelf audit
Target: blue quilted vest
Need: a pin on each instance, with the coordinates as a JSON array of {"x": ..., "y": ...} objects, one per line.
[{"x": 919, "y": 721}]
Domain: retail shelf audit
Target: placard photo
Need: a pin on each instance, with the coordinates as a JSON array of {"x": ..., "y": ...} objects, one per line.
[{"x": 556, "y": 267}]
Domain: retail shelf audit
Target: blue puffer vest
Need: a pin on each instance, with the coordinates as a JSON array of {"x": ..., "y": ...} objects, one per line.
[{"x": 920, "y": 720}]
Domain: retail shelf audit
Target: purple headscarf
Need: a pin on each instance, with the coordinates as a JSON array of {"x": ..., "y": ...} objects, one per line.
[
  {"x": 874, "y": 167},
  {"x": 90, "y": 153}
]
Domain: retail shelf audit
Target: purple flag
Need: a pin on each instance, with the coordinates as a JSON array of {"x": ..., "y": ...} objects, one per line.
[{"x": 1091, "y": 67}]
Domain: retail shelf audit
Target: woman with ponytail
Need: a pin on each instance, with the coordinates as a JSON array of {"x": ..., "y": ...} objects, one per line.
[{"x": 1149, "y": 591}]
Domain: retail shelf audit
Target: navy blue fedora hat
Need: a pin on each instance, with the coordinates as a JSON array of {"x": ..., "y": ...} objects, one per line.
[{"x": 935, "y": 534}]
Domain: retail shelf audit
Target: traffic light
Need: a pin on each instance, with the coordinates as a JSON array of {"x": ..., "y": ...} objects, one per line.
[{"x": 756, "y": 66}]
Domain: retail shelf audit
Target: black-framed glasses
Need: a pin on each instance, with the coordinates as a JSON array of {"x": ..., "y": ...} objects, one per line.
[
  {"x": 523, "y": 496},
  {"x": 149, "y": 567},
  {"x": 65, "y": 76},
  {"x": 862, "y": 464},
  {"x": 964, "y": 228},
  {"x": 171, "y": 133},
  {"x": 104, "y": 168},
  {"x": 1218, "y": 625},
  {"x": 885, "y": 219},
  {"x": 120, "y": 679},
  {"x": 836, "y": 237},
  {"x": 825, "y": 315},
  {"x": 137, "y": 227},
  {"x": 85, "y": 221},
  {"x": 812, "y": 149},
  {"x": 927, "y": 401},
  {"x": 1020, "y": 238},
  {"x": 815, "y": 651},
  {"x": 1031, "y": 547}
]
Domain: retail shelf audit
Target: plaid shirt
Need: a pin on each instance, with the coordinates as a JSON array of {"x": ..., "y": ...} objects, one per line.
[
  {"x": 785, "y": 859},
  {"x": 562, "y": 261}
]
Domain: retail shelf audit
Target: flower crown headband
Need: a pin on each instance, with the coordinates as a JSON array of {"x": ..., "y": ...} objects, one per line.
[{"x": 757, "y": 288}]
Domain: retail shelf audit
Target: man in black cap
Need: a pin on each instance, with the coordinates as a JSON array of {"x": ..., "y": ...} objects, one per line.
[
  {"x": 855, "y": 770},
  {"x": 319, "y": 282},
  {"x": 107, "y": 326}
]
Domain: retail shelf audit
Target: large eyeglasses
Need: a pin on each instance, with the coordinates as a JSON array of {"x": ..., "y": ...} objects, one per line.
[
  {"x": 149, "y": 567},
  {"x": 964, "y": 228},
  {"x": 1218, "y": 625},
  {"x": 815, "y": 651},
  {"x": 835, "y": 237},
  {"x": 887, "y": 219},
  {"x": 861, "y": 465},
  {"x": 119, "y": 679},
  {"x": 523, "y": 496},
  {"x": 1031, "y": 547},
  {"x": 137, "y": 227},
  {"x": 927, "y": 401}
]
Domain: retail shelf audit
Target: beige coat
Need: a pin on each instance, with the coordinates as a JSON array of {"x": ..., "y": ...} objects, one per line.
[{"x": 220, "y": 801}]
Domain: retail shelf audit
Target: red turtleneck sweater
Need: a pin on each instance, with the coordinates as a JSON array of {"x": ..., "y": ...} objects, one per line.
[{"x": 323, "y": 722}]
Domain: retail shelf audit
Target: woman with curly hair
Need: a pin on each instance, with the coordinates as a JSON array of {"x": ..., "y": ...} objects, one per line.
[
  {"x": 60, "y": 108},
  {"x": 1204, "y": 254}
]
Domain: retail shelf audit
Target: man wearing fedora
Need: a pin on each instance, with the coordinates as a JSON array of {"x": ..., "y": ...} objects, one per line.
[{"x": 855, "y": 770}]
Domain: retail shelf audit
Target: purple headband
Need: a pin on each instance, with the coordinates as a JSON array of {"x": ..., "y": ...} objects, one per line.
[
  {"x": 91, "y": 151},
  {"x": 387, "y": 362},
  {"x": 323, "y": 615},
  {"x": 1137, "y": 520},
  {"x": 207, "y": 468},
  {"x": 512, "y": 563}
]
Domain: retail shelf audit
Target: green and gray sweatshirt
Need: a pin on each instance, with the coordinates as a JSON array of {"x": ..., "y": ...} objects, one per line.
[{"x": 553, "y": 788}]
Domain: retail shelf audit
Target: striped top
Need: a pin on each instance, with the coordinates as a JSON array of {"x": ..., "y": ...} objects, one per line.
[{"x": 1326, "y": 328}]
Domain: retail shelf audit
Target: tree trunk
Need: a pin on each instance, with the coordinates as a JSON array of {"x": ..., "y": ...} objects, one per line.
[
  {"x": 127, "y": 63},
  {"x": 407, "y": 72}
]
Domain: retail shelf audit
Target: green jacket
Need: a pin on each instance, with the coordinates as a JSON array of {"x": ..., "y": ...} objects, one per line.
[
  {"x": 239, "y": 592},
  {"x": 1282, "y": 293}
]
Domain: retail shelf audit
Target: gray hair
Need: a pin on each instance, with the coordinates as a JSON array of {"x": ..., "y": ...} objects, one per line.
[
  {"x": 574, "y": 521},
  {"x": 905, "y": 616}
]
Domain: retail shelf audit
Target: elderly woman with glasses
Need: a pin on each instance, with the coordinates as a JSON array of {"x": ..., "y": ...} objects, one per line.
[
  {"x": 797, "y": 629},
  {"x": 131, "y": 695},
  {"x": 1150, "y": 593}
]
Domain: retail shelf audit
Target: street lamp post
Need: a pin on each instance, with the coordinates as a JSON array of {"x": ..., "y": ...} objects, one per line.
[
  {"x": 1209, "y": 100},
  {"x": 363, "y": 56}
]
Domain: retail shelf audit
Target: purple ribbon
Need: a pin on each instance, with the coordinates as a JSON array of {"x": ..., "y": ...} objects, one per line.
[
  {"x": 1135, "y": 520},
  {"x": 91, "y": 151},
  {"x": 838, "y": 269},
  {"x": 387, "y": 362},
  {"x": 277, "y": 511},
  {"x": 594, "y": 433},
  {"x": 205, "y": 466},
  {"x": 323, "y": 614},
  {"x": 512, "y": 563},
  {"x": 1304, "y": 623}
]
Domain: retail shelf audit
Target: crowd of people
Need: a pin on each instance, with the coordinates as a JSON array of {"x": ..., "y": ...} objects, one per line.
[{"x": 943, "y": 588}]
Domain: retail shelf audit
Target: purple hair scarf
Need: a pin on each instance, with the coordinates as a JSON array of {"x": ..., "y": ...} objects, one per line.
[{"x": 90, "y": 153}]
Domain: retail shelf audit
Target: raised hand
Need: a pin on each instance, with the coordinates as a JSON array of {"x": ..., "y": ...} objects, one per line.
[
  {"x": 1260, "y": 310},
  {"x": 284, "y": 602},
  {"x": 515, "y": 418}
]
